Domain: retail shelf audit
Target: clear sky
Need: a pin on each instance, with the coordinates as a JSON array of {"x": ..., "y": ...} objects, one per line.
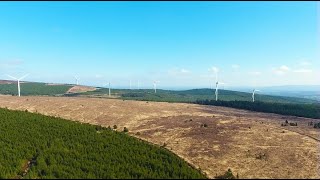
[{"x": 176, "y": 43}]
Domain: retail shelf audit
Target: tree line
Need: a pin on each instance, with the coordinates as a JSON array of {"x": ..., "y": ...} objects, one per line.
[{"x": 301, "y": 110}]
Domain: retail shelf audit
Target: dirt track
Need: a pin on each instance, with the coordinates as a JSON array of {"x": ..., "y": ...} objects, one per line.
[{"x": 254, "y": 145}]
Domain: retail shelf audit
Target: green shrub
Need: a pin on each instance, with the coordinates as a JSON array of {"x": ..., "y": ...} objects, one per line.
[{"x": 227, "y": 175}]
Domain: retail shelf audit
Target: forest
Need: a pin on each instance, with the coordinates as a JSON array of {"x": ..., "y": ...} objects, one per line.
[
  {"x": 302, "y": 110},
  {"x": 38, "y": 146}
]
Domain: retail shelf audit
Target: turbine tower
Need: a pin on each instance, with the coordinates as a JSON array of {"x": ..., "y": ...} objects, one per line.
[
  {"x": 18, "y": 79},
  {"x": 216, "y": 92},
  {"x": 253, "y": 92},
  {"x": 77, "y": 80},
  {"x": 217, "y": 83},
  {"x": 155, "y": 86},
  {"x": 130, "y": 84},
  {"x": 109, "y": 89}
]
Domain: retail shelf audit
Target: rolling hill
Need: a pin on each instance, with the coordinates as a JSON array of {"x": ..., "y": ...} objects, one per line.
[
  {"x": 38, "y": 88},
  {"x": 295, "y": 106},
  {"x": 193, "y": 95},
  {"x": 33, "y": 88}
]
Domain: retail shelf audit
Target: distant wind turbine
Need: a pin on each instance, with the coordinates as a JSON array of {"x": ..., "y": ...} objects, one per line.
[
  {"x": 18, "y": 79},
  {"x": 109, "y": 89},
  {"x": 155, "y": 86},
  {"x": 217, "y": 84},
  {"x": 253, "y": 92},
  {"x": 77, "y": 80}
]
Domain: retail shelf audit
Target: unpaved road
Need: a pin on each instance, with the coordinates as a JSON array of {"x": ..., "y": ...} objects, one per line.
[{"x": 252, "y": 144}]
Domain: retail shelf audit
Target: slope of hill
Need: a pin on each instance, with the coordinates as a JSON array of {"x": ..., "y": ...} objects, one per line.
[
  {"x": 80, "y": 89},
  {"x": 194, "y": 95},
  {"x": 300, "y": 110},
  {"x": 33, "y": 88},
  {"x": 38, "y": 146},
  {"x": 213, "y": 138}
]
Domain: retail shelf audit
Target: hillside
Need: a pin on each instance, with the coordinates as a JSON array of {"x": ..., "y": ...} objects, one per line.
[
  {"x": 193, "y": 95},
  {"x": 38, "y": 146},
  {"x": 33, "y": 88},
  {"x": 213, "y": 138}
]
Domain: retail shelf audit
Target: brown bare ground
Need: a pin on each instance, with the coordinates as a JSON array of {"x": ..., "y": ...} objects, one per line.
[
  {"x": 79, "y": 89},
  {"x": 252, "y": 144},
  {"x": 54, "y": 84},
  {"x": 6, "y": 82}
]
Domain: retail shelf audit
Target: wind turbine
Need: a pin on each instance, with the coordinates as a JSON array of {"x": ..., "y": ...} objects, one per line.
[
  {"x": 254, "y": 90},
  {"x": 217, "y": 84},
  {"x": 130, "y": 84},
  {"x": 155, "y": 86},
  {"x": 77, "y": 80},
  {"x": 109, "y": 89},
  {"x": 18, "y": 79}
]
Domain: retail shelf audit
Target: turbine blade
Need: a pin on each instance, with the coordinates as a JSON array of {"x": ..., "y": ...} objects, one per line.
[
  {"x": 12, "y": 77},
  {"x": 23, "y": 76}
]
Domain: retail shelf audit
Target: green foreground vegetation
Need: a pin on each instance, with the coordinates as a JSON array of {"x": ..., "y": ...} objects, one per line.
[
  {"x": 31, "y": 88},
  {"x": 57, "y": 148}
]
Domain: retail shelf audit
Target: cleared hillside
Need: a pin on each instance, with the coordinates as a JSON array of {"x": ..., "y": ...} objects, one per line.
[{"x": 252, "y": 144}]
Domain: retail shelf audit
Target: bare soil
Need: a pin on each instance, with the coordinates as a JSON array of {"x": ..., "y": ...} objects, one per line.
[
  {"x": 6, "y": 82},
  {"x": 80, "y": 89},
  {"x": 253, "y": 145},
  {"x": 54, "y": 84}
]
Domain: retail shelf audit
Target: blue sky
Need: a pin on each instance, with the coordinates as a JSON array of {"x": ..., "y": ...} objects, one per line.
[{"x": 177, "y": 43}]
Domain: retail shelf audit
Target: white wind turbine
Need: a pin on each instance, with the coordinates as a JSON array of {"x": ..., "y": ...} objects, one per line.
[
  {"x": 253, "y": 92},
  {"x": 18, "y": 79},
  {"x": 77, "y": 80},
  {"x": 155, "y": 86},
  {"x": 109, "y": 89},
  {"x": 217, "y": 83}
]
